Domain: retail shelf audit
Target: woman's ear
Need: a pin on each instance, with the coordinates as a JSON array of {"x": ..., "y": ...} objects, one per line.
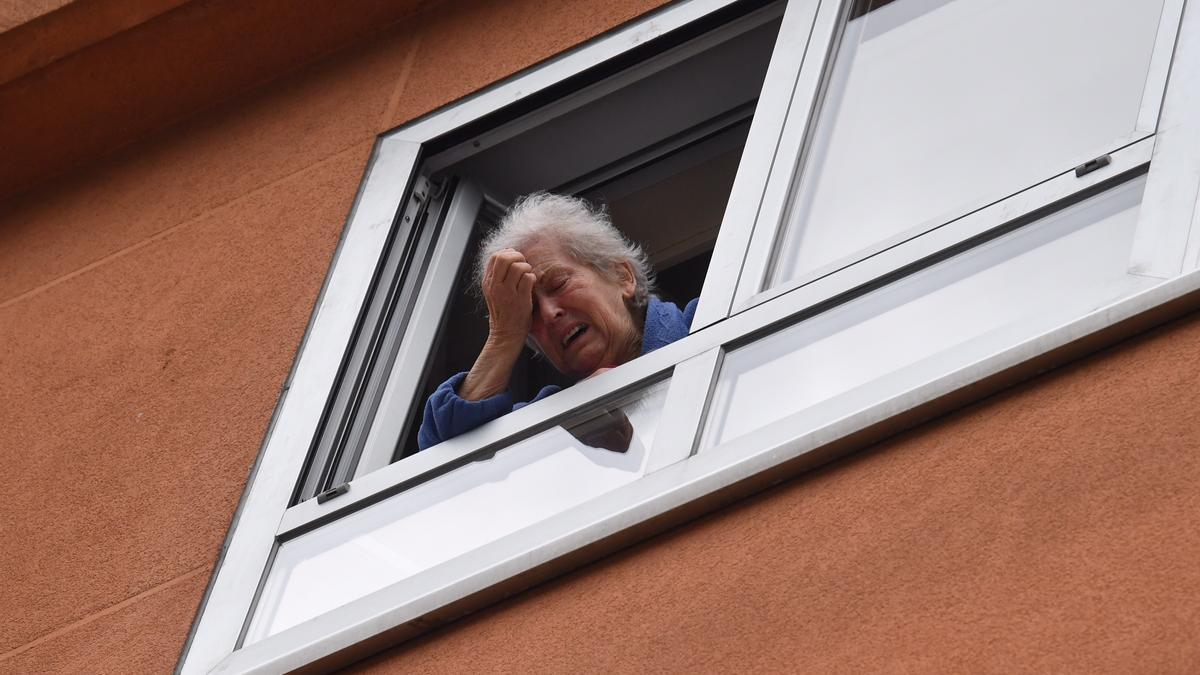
[{"x": 626, "y": 280}]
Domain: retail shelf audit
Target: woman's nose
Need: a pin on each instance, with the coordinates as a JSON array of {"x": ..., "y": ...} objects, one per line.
[{"x": 550, "y": 310}]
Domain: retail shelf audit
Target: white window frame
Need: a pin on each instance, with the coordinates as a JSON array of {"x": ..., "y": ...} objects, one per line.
[
  {"x": 752, "y": 259},
  {"x": 682, "y": 483}
]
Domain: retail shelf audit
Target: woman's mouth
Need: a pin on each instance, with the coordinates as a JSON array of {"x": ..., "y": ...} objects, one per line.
[{"x": 574, "y": 334}]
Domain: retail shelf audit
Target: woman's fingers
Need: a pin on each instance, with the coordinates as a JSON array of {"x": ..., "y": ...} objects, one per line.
[
  {"x": 511, "y": 270},
  {"x": 493, "y": 269},
  {"x": 508, "y": 289},
  {"x": 516, "y": 274},
  {"x": 525, "y": 286},
  {"x": 494, "y": 274},
  {"x": 506, "y": 267}
]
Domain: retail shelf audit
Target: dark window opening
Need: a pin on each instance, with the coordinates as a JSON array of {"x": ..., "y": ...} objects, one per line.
[
  {"x": 861, "y": 7},
  {"x": 659, "y": 152}
]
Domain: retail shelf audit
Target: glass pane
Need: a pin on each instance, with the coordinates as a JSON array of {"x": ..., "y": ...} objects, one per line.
[
  {"x": 935, "y": 107},
  {"x": 933, "y": 322},
  {"x": 459, "y": 511}
]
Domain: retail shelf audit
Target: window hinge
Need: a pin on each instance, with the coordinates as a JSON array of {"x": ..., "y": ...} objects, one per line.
[
  {"x": 1093, "y": 164},
  {"x": 437, "y": 189},
  {"x": 333, "y": 492},
  {"x": 417, "y": 201}
]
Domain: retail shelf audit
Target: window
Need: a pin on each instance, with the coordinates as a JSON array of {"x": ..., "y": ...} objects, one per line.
[
  {"x": 920, "y": 201},
  {"x": 992, "y": 96},
  {"x": 693, "y": 105},
  {"x": 458, "y": 511},
  {"x": 933, "y": 322}
]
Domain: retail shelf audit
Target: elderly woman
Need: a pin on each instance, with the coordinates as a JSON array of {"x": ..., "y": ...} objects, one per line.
[{"x": 555, "y": 275}]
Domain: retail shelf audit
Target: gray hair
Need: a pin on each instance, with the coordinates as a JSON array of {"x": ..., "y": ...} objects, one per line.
[{"x": 583, "y": 231}]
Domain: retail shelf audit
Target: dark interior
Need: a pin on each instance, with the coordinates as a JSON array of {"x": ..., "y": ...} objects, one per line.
[
  {"x": 660, "y": 152},
  {"x": 861, "y": 7}
]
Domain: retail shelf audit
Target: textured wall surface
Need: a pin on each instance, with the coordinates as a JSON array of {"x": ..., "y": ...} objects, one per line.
[
  {"x": 17, "y": 12},
  {"x": 150, "y": 306},
  {"x": 95, "y": 97},
  {"x": 35, "y": 34},
  {"x": 1049, "y": 529}
]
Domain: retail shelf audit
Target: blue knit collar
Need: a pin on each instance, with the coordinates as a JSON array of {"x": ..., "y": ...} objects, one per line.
[{"x": 665, "y": 323}]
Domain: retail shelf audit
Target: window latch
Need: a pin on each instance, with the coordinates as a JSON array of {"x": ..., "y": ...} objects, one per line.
[
  {"x": 333, "y": 492},
  {"x": 1092, "y": 164}
]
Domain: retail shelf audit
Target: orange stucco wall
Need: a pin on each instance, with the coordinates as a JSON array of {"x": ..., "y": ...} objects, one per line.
[
  {"x": 151, "y": 302},
  {"x": 17, "y": 12}
]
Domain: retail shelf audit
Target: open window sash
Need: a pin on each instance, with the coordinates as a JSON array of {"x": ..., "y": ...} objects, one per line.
[
  {"x": 857, "y": 68},
  {"x": 398, "y": 406}
]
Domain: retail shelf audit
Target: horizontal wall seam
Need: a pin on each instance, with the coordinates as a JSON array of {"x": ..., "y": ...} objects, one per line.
[
  {"x": 161, "y": 234},
  {"x": 96, "y": 616}
]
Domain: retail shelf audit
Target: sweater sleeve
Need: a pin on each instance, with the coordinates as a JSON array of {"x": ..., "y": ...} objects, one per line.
[
  {"x": 689, "y": 312},
  {"x": 448, "y": 415}
]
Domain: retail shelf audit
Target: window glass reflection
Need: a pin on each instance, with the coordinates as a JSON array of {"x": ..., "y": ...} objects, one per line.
[
  {"x": 933, "y": 322},
  {"x": 937, "y": 106},
  {"x": 460, "y": 511}
]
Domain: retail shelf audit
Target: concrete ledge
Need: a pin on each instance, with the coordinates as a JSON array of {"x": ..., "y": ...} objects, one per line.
[
  {"x": 89, "y": 77},
  {"x": 42, "y": 35}
]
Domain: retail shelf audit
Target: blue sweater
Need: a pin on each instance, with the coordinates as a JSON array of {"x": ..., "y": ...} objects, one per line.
[{"x": 447, "y": 414}]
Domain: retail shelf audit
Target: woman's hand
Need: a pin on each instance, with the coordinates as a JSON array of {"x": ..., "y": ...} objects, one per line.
[{"x": 508, "y": 291}]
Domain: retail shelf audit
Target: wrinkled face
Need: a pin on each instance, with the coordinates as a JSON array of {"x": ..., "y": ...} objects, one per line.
[{"x": 580, "y": 318}]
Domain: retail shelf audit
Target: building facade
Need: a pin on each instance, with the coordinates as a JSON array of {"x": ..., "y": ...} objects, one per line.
[{"x": 184, "y": 181}]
